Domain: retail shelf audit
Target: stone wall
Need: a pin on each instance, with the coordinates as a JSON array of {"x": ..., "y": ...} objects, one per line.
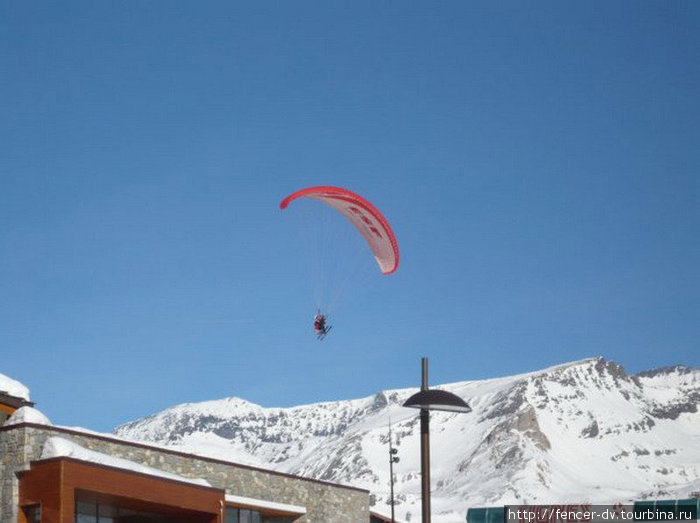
[
  {"x": 13, "y": 457},
  {"x": 324, "y": 502}
]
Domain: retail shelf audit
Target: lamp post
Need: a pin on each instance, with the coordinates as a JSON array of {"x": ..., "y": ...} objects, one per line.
[{"x": 427, "y": 400}]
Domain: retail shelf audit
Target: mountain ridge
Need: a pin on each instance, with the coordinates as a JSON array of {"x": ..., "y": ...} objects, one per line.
[{"x": 584, "y": 427}]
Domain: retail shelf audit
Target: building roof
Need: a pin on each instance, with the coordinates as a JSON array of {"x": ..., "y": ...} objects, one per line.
[
  {"x": 376, "y": 517},
  {"x": 14, "y": 401},
  {"x": 114, "y": 439},
  {"x": 56, "y": 447}
]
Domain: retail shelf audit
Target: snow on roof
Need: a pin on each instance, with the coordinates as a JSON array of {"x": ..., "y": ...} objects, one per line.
[
  {"x": 59, "y": 447},
  {"x": 262, "y": 504},
  {"x": 13, "y": 388},
  {"x": 383, "y": 517},
  {"x": 28, "y": 415}
]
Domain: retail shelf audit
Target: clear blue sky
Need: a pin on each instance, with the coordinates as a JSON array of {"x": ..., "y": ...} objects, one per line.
[{"x": 539, "y": 164}]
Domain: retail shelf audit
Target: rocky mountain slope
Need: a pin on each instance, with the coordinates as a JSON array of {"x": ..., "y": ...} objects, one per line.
[{"x": 579, "y": 432}]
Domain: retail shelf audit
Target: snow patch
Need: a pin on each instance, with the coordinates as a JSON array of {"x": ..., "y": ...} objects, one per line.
[
  {"x": 262, "y": 504},
  {"x": 13, "y": 388},
  {"x": 60, "y": 447},
  {"x": 28, "y": 415}
]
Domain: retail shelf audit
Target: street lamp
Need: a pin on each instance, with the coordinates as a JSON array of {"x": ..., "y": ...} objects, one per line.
[{"x": 427, "y": 400}]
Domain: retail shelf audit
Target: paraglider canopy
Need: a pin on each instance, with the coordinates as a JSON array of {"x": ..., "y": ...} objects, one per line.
[{"x": 363, "y": 215}]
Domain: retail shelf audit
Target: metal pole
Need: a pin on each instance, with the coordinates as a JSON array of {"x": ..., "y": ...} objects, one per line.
[
  {"x": 391, "y": 472},
  {"x": 425, "y": 448}
]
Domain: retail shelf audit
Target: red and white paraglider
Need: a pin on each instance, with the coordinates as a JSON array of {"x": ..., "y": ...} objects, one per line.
[{"x": 368, "y": 221}]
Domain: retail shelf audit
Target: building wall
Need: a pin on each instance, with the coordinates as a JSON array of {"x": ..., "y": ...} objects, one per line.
[
  {"x": 13, "y": 457},
  {"x": 324, "y": 502}
]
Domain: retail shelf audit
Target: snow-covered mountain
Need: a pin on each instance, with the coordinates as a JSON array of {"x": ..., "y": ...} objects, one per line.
[{"x": 579, "y": 432}]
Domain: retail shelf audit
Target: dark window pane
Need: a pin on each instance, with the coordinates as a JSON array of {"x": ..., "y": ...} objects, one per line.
[
  {"x": 232, "y": 515},
  {"x": 87, "y": 508},
  {"x": 85, "y": 512},
  {"x": 106, "y": 514},
  {"x": 33, "y": 513}
]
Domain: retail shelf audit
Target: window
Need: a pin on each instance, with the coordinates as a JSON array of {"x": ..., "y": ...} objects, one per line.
[
  {"x": 33, "y": 513},
  {"x": 107, "y": 514},
  {"x": 85, "y": 512},
  {"x": 232, "y": 515},
  {"x": 241, "y": 515},
  {"x": 91, "y": 512}
]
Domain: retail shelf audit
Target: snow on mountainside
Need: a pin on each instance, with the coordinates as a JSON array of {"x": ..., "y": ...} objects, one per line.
[{"x": 579, "y": 432}]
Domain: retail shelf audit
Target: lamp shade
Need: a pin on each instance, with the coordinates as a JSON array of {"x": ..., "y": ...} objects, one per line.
[{"x": 433, "y": 399}]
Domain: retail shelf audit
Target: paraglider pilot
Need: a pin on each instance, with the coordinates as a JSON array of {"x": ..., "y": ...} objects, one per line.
[{"x": 320, "y": 327}]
